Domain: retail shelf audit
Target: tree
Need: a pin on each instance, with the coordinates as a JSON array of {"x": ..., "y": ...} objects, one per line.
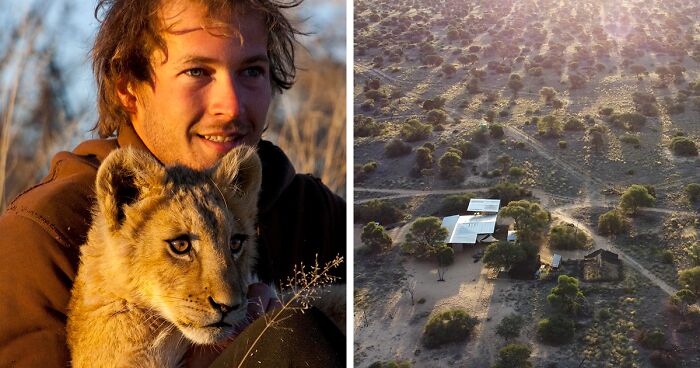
[
  {"x": 503, "y": 254},
  {"x": 510, "y": 326},
  {"x": 448, "y": 326},
  {"x": 450, "y": 166},
  {"x": 530, "y": 218},
  {"x": 445, "y": 256},
  {"x": 505, "y": 161},
  {"x": 566, "y": 297},
  {"x": 507, "y": 192},
  {"x": 514, "y": 356},
  {"x": 690, "y": 279},
  {"x": 635, "y": 196},
  {"x": 468, "y": 149},
  {"x": 693, "y": 191},
  {"x": 556, "y": 330},
  {"x": 455, "y": 204},
  {"x": 496, "y": 131},
  {"x": 381, "y": 211},
  {"x": 375, "y": 238},
  {"x": 515, "y": 84},
  {"x": 550, "y": 126},
  {"x": 413, "y": 130},
  {"x": 424, "y": 158},
  {"x": 683, "y": 146},
  {"x": 426, "y": 236},
  {"x": 548, "y": 94},
  {"x": 611, "y": 223},
  {"x": 567, "y": 236}
]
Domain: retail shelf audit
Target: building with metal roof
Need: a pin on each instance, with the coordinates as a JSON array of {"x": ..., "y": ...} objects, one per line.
[{"x": 484, "y": 205}]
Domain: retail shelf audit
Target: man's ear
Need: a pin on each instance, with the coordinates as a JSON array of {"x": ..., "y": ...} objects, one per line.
[
  {"x": 127, "y": 94},
  {"x": 239, "y": 176},
  {"x": 124, "y": 177}
]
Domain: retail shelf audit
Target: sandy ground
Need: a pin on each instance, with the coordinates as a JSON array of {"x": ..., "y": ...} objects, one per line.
[{"x": 392, "y": 330}]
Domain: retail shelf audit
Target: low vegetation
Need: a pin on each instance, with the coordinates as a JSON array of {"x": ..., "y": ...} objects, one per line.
[{"x": 447, "y": 327}]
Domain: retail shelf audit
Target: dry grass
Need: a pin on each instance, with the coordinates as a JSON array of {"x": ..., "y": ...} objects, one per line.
[{"x": 312, "y": 128}]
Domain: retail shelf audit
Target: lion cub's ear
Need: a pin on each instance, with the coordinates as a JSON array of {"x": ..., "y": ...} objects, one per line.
[
  {"x": 239, "y": 175},
  {"x": 122, "y": 178}
]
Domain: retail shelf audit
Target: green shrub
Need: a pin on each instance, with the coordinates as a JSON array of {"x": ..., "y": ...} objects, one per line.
[
  {"x": 381, "y": 211},
  {"x": 375, "y": 238},
  {"x": 652, "y": 340},
  {"x": 667, "y": 257},
  {"x": 510, "y": 326},
  {"x": 366, "y": 127},
  {"x": 636, "y": 196},
  {"x": 450, "y": 166},
  {"x": 468, "y": 149},
  {"x": 514, "y": 356},
  {"x": 628, "y": 120},
  {"x": 507, "y": 192},
  {"x": 630, "y": 139},
  {"x": 413, "y": 130},
  {"x": 396, "y": 148},
  {"x": 574, "y": 124},
  {"x": 690, "y": 279},
  {"x": 606, "y": 111},
  {"x": 436, "y": 117},
  {"x": 445, "y": 255},
  {"x": 455, "y": 204},
  {"x": 496, "y": 131},
  {"x": 449, "y": 326},
  {"x": 567, "y": 236},
  {"x": 611, "y": 223},
  {"x": 550, "y": 126},
  {"x": 516, "y": 171},
  {"x": 683, "y": 146},
  {"x": 693, "y": 191},
  {"x": 557, "y": 330},
  {"x": 563, "y": 144}
]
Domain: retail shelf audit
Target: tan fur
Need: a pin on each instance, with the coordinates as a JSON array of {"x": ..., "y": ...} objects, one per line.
[{"x": 135, "y": 303}]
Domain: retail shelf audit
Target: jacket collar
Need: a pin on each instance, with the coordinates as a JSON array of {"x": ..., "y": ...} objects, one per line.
[{"x": 277, "y": 171}]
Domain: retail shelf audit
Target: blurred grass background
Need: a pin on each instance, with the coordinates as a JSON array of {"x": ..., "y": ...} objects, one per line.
[{"x": 47, "y": 95}]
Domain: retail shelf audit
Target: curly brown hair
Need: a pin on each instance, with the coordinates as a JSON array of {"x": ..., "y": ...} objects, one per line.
[{"x": 130, "y": 31}]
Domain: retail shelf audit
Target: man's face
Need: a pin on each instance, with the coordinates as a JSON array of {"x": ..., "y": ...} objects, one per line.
[{"x": 212, "y": 92}]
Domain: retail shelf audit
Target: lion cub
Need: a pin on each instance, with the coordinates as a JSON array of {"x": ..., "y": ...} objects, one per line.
[{"x": 167, "y": 261}]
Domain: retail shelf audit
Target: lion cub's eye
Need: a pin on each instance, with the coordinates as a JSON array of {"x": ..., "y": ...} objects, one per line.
[
  {"x": 237, "y": 241},
  {"x": 180, "y": 245}
]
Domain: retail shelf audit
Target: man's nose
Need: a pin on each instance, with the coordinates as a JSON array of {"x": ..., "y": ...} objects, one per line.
[{"x": 224, "y": 98}]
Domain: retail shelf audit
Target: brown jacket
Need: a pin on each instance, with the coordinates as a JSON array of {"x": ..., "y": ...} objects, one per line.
[{"x": 43, "y": 228}]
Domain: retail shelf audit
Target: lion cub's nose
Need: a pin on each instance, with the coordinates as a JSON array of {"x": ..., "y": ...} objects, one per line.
[{"x": 223, "y": 308}]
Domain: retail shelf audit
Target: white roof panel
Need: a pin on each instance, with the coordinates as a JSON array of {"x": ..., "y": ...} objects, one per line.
[
  {"x": 464, "y": 229},
  {"x": 484, "y": 205}
]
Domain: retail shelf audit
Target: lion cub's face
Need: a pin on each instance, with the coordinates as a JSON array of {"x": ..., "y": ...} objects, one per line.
[{"x": 185, "y": 240}]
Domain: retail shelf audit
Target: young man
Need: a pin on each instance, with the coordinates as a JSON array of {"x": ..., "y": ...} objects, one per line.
[{"x": 187, "y": 81}]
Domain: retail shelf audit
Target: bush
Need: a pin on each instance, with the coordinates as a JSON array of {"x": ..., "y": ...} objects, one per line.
[
  {"x": 425, "y": 237},
  {"x": 652, "y": 340},
  {"x": 693, "y": 191},
  {"x": 375, "y": 238},
  {"x": 662, "y": 359},
  {"x": 682, "y": 146},
  {"x": 391, "y": 364},
  {"x": 496, "y": 131},
  {"x": 557, "y": 330},
  {"x": 690, "y": 279},
  {"x": 606, "y": 111},
  {"x": 628, "y": 120},
  {"x": 366, "y": 127},
  {"x": 413, "y": 130},
  {"x": 510, "y": 326},
  {"x": 514, "y": 356},
  {"x": 450, "y": 166},
  {"x": 611, "y": 223},
  {"x": 449, "y": 326},
  {"x": 468, "y": 149},
  {"x": 636, "y": 196},
  {"x": 424, "y": 158},
  {"x": 383, "y": 212},
  {"x": 455, "y": 204},
  {"x": 574, "y": 124},
  {"x": 396, "y": 148},
  {"x": 566, "y": 297},
  {"x": 507, "y": 192},
  {"x": 563, "y": 144},
  {"x": 516, "y": 171},
  {"x": 568, "y": 236},
  {"x": 437, "y": 117},
  {"x": 550, "y": 126},
  {"x": 629, "y": 139},
  {"x": 445, "y": 256}
]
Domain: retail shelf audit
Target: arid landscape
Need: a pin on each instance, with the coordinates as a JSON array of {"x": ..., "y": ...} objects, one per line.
[{"x": 589, "y": 109}]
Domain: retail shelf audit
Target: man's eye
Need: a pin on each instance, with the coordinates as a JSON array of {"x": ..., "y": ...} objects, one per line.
[
  {"x": 253, "y": 72},
  {"x": 196, "y": 72}
]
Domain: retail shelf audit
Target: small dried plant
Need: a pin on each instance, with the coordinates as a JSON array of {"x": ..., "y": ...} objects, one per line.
[{"x": 301, "y": 290}]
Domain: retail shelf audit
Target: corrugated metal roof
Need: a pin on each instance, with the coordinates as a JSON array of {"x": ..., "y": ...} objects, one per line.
[
  {"x": 556, "y": 260},
  {"x": 464, "y": 229},
  {"x": 484, "y": 205}
]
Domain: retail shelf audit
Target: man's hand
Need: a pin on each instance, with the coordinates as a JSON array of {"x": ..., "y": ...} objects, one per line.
[{"x": 261, "y": 299}]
